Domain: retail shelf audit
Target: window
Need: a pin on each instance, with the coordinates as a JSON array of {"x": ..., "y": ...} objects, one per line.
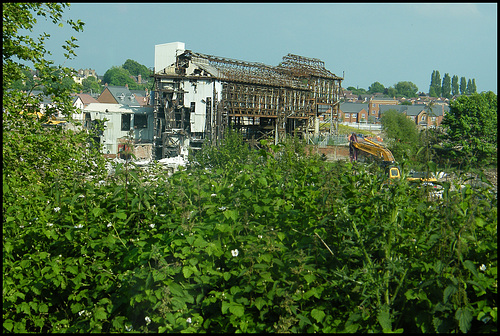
[
  {"x": 347, "y": 115},
  {"x": 140, "y": 121},
  {"x": 126, "y": 122}
]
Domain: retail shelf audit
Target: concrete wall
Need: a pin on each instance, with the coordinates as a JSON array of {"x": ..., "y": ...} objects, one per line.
[{"x": 165, "y": 54}]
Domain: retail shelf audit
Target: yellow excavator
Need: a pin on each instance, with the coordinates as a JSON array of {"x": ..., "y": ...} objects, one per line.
[{"x": 373, "y": 148}]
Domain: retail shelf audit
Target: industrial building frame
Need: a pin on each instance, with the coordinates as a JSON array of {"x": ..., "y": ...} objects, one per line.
[{"x": 258, "y": 100}]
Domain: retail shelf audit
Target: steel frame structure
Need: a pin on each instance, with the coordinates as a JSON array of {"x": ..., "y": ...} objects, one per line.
[{"x": 257, "y": 99}]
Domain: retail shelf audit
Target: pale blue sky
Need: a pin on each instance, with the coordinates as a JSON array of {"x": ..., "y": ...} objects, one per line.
[{"x": 365, "y": 42}]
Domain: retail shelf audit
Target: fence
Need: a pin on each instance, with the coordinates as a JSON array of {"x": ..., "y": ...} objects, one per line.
[{"x": 324, "y": 140}]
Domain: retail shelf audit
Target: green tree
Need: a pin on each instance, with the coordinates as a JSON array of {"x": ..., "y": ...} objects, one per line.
[
  {"x": 90, "y": 84},
  {"x": 118, "y": 76},
  {"x": 391, "y": 92},
  {"x": 403, "y": 132},
  {"x": 446, "y": 87},
  {"x": 435, "y": 87},
  {"x": 376, "y": 87},
  {"x": 135, "y": 69},
  {"x": 468, "y": 90},
  {"x": 474, "y": 88},
  {"x": 471, "y": 128},
  {"x": 406, "y": 89},
  {"x": 454, "y": 86},
  {"x": 463, "y": 85}
]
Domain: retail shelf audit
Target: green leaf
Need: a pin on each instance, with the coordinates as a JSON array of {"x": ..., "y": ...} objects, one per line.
[
  {"x": 471, "y": 267},
  {"x": 233, "y": 214},
  {"x": 464, "y": 318},
  {"x": 72, "y": 269},
  {"x": 318, "y": 315},
  {"x": 237, "y": 309},
  {"x": 187, "y": 271},
  {"x": 309, "y": 277},
  {"x": 449, "y": 291},
  {"x": 100, "y": 313},
  {"x": 121, "y": 215},
  {"x": 8, "y": 324},
  {"x": 43, "y": 308},
  {"x": 260, "y": 302},
  {"x": 384, "y": 318}
]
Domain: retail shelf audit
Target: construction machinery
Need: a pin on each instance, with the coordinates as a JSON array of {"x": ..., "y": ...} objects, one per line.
[{"x": 372, "y": 148}]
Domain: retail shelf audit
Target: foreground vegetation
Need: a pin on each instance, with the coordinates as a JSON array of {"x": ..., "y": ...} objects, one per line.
[{"x": 243, "y": 241}]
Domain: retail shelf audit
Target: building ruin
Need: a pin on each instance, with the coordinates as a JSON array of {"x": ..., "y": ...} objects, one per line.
[{"x": 197, "y": 96}]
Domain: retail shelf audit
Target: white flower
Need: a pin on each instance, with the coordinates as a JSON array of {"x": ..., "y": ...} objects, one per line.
[
  {"x": 260, "y": 236},
  {"x": 234, "y": 252},
  {"x": 188, "y": 320},
  {"x": 148, "y": 320},
  {"x": 56, "y": 209},
  {"x": 162, "y": 215},
  {"x": 81, "y": 312},
  {"x": 222, "y": 208},
  {"x": 109, "y": 224},
  {"x": 213, "y": 195},
  {"x": 483, "y": 267},
  {"x": 50, "y": 224},
  {"x": 21, "y": 226},
  {"x": 81, "y": 196},
  {"x": 151, "y": 226},
  {"x": 79, "y": 226},
  {"x": 128, "y": 327}
]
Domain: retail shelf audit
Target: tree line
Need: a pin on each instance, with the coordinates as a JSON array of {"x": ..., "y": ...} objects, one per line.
[
  {"x": 450, "y": 86},
  {"x": 122, "y": 75},
  {"x": 447, "y": 87}
]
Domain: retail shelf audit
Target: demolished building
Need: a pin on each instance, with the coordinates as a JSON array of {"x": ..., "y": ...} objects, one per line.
[{"x": 197, "y": 96}]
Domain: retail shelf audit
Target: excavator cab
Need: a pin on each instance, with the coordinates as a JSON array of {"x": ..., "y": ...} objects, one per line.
[{"x": 394, "y": 173}]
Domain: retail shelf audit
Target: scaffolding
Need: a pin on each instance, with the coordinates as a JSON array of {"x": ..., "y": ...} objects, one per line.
[{"x": 257, "y": 99}]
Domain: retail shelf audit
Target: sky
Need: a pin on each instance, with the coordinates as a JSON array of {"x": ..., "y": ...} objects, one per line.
[{"x": 361, "y": 42}]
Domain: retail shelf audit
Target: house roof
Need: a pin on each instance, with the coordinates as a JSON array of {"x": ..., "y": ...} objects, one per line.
[
  {"x": 122, "y": 95},
  {"x": 353, "y": 107},
  {"x": 413, "y": 110},
  {"x": 86, "y": 98}
]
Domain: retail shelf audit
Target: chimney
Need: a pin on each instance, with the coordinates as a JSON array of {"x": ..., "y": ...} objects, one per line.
[
  {"x": 139, "y": 79},
  {"x": 126, "y": 86}
]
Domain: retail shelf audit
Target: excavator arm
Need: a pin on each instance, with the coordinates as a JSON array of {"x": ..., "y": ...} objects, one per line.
[{"x": 372, "y": 148}]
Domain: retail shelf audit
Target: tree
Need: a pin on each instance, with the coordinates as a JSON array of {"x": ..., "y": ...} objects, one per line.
[
  {"x": 471, "y": 128},
  {"x": 118, "y": 76},
  {"x": 406, "y": 89},
  {"x": 432, "y": 86},
  {"x": 446, "y": 87},
  {"x": 403, "y": 131},
  {"x": 474, "y": 88},
  {"x": 468, "y": 90},
  {"x": 376, "y": 87},
  {"x": 136, "y": 69},
  {"x": 435, "y": 87},
  {"x": 391, "y": 92},
  {"x": 454, "y": 86},
  {"x": 90, "y": 84},
  {"x": 34, "y": 156},
  {"x": 463, "y": 85}
]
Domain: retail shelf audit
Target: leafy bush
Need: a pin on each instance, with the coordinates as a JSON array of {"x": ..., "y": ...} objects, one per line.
[{"x": 287, "y": 243}]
